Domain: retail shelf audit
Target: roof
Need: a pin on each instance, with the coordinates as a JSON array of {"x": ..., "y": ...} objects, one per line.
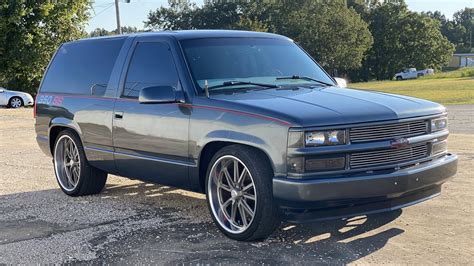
[{"x": 197, "y": 34}]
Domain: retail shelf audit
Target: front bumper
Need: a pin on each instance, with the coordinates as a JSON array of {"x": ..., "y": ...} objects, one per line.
[{"x": 411, "y": 184}]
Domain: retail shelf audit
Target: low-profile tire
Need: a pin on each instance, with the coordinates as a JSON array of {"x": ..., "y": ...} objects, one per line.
[
  {"x": 15, "y": 102},
  {"x": 241, "y": 202},
  {"x": 75, "y": 176}
]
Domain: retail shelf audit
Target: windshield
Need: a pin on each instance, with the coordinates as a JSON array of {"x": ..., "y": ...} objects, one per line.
[{"x": 257, "y": 60}]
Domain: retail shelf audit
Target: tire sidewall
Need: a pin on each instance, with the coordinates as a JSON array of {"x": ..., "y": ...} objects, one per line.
[
  {"x": 261, "y": 188},
  {"x": 82, "y": 157}
]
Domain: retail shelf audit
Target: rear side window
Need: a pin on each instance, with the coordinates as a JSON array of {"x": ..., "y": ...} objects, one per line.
[
  {"x": 82, "y": 67},
  {"x": 151, "y": 65}
]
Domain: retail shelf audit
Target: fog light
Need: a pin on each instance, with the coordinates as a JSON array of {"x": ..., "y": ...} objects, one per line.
[{"x": 326, "y": 164}]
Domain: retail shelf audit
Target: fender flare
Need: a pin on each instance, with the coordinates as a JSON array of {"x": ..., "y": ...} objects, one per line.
[
  {"x": 65, "y": 123},
  {"x": 233, "y": 137}
]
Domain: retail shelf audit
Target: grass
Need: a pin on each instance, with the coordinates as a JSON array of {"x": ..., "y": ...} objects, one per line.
[
  {"x": 464, "y": 72},
  {"x": 454, "y": 87}
]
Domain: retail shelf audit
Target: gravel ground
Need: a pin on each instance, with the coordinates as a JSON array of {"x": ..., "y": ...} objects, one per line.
[
  {"x": 460, "y": 118},
  {"x": 136, "y": 222}
]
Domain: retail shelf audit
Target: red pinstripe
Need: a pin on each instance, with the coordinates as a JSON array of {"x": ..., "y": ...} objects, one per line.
[{"x": 183, "y": 105}]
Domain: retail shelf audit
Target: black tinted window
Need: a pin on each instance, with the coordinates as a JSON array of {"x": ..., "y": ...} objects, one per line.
[
  {"x": 151, "y": 65},
  {"x": 248, "y": 59},
  {"x": 78, "y": 66}
]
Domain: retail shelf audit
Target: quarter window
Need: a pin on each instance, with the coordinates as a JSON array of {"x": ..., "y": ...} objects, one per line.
[
  {"x": 151, "y": 65},
  {"x": 83, "y": 67}
]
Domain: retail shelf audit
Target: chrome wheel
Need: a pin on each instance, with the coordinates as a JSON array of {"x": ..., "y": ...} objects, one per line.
[
  {"x": 15, "y": 103},
  {"x": 67, "y": 163},
  {"x": 232, "y": 194}
]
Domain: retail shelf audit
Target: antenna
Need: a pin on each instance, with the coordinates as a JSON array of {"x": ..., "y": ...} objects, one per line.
[{"x": 206, "y": 88}]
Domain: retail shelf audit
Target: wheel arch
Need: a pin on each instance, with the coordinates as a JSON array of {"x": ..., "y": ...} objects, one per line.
[
  {"x": 56, "y": 128},
  {"x": 212, "y": 147}
]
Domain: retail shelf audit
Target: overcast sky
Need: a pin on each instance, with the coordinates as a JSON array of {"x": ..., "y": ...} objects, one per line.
[{"x": 135, "y": 12}]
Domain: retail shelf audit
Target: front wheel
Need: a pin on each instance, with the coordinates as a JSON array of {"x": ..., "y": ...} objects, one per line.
[
  {"x": 399, "y": 78},
  {"x": 15, "y": 102},
  {"x": 74, "y": 174},
  {"x": 239, "y": 193}
]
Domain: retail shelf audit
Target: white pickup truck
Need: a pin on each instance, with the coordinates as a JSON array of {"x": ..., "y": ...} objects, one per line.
[{"x": 412, "y": 73}]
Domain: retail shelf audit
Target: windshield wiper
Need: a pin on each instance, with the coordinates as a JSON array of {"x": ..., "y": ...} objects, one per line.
[
  {"x": 305, "y": 78},
  {"x": 234, "y": 83}
]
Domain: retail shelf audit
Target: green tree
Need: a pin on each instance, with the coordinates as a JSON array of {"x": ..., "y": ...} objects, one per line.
[
  {"x": 103, "y": 32},
  {"x": 465, "y": 19},
  {"x": 332, "y": 33},
  {"x": 100, "y": 32},
  {"x": 30, "y": 32},
  {"x": 459, "y": 29},
  {"x": 404, "y": 39},
  {"x": 179, "y": 15}
]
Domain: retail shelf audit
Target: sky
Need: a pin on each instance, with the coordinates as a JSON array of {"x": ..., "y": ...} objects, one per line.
[{"x": 135, "y": 12}]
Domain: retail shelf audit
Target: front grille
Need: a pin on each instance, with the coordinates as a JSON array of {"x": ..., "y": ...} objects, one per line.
[
  {"x": 388, "y": 157},
  {"x": 389, "y": 131}
]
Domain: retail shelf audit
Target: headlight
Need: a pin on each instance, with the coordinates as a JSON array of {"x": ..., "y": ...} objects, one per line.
[
  {"x": 439, "y": 124},
  {"x": 325, "y": 138}
]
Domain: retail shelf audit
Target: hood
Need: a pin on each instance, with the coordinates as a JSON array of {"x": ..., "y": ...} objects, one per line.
[
  {"x": 18, "y": 93},
  {"x": 307, "y": 107}
]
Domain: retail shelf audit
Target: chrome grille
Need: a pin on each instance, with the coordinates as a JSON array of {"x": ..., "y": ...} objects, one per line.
[
  {"x": 388, "y": 157},
  {"x": 388, "y": 131}
]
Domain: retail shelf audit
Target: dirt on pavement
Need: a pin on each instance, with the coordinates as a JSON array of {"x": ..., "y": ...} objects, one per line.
[{"x": 136, "y": 222}]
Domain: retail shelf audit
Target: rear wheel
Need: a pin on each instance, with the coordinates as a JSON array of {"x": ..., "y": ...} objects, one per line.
[
  {"x": 15, "y": 102},
  {"x": 74, "y": 174},
  {"x": 239, "y": 193}
]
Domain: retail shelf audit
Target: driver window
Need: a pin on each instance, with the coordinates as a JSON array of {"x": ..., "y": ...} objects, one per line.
[{"x": 151, "y": 65}]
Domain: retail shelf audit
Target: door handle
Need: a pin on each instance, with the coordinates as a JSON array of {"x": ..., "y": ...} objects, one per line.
[{"x": 118, "y": 115}]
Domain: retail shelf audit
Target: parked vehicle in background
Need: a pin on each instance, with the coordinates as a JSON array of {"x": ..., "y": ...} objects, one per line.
[
  {"x": 15, "y": 99},
  {"x": 412, "y": 73},
  {"x": 248, "y": 118}
]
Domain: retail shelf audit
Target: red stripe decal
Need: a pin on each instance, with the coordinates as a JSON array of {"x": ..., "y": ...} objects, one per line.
[
  {"x": 237, "y": 112},
  {"x": 180, "y": 104}
]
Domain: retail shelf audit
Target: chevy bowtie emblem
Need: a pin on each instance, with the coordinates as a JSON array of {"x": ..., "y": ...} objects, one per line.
[{"x": 399, "y": 143}]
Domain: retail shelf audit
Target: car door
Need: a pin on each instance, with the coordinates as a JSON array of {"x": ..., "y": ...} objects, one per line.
[
  {"x": 3, "y": 100},
  {"x": 151, "y": 140}
]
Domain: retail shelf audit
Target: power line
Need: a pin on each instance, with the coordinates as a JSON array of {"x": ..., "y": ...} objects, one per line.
[{"x": 103, "y": 10}]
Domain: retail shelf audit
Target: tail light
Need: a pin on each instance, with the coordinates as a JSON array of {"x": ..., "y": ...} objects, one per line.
[{"x": 34, "y": 106}]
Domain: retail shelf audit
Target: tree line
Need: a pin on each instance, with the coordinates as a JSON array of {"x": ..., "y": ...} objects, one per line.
[{"x": 359, "y": 39}]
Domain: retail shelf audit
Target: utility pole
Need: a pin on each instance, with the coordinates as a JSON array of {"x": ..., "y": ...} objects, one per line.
[
  {"x": 471, "y": 16},
  {"x": 117, "y": 15}
]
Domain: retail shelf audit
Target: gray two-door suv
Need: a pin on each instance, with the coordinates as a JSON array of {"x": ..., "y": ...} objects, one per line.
[{"x": 248, "y": 118}]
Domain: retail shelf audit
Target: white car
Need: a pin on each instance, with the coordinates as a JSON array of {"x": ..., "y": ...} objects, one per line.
[
  {"x": 15, "y": 99},
  {"x": 412, "y": 73}
]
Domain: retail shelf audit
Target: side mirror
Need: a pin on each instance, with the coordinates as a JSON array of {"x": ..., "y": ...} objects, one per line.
[
  {"x": 341, "y": 83},
  {"x": 2, "y": 90},
  {"x": 158, "y": 94}
]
